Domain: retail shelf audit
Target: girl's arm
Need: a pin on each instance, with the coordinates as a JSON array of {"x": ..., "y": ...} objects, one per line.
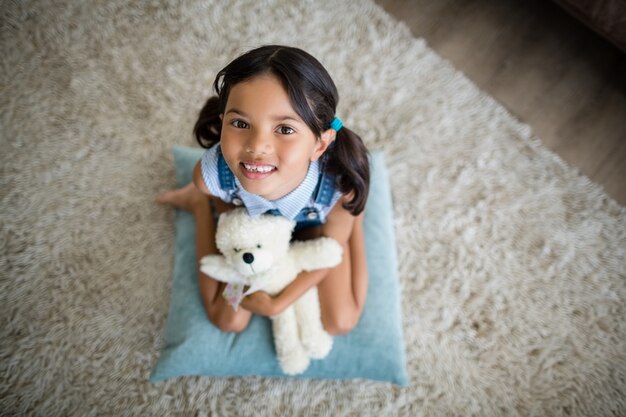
[
  {"x": 338, "y": 226},
  {"x": 215, "y": 306},
  {"x": 205, "y": 242},
  {"x": 196, "y": 178}
]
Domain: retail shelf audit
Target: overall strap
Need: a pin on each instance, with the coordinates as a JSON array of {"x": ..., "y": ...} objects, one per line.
[
  {"x": 322, "y": 196},
  {"x": 325, "y": 187},
  {"x": 226, "y": 176}
]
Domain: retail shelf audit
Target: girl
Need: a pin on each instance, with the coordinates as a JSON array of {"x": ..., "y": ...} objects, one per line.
[{"x": 275, "y": 145}]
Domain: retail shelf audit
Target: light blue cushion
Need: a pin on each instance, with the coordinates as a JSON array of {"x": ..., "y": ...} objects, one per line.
[{"x": 373, "y": 350}]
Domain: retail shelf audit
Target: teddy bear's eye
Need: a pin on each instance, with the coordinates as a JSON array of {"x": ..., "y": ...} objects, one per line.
[
  {"x": 237, "y": 250},
  {"x": 258, "y": 246}
]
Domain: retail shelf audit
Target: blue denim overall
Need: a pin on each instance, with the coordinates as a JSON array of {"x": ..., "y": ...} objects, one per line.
[{"x": 309, "y": 216}]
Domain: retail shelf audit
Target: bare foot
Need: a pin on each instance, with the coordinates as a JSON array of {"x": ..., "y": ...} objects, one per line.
[{"x": 186, "y": 198}]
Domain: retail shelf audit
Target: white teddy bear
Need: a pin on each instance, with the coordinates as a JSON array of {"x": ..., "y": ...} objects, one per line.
[{"x": 256, "y": 252}]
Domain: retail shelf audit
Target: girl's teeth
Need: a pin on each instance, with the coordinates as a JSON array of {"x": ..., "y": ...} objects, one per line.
[{"x": 258, "y": 168}]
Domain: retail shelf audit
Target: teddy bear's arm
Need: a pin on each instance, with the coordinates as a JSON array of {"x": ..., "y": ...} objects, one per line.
[
  {"x": 216, "y": 267},
  {"x": 323, "y": 252}
]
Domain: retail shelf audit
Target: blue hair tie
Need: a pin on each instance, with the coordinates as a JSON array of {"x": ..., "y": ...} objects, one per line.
[{"x": 336, "y": 124}]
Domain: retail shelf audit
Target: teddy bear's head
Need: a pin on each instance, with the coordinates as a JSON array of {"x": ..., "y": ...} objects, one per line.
[{"x": 251, "y": 245}]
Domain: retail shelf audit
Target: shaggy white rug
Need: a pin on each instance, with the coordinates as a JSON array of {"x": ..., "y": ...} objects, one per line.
[{"x": 512, "y": 264}]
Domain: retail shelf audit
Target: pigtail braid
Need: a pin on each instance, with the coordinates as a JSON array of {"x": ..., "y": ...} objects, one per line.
[
  {"x": 348, "y": 160},
  {"x": 209, "y": 125}
]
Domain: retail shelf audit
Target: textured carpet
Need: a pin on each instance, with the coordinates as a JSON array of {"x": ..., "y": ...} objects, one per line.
[{"x": 512, "y": 264}]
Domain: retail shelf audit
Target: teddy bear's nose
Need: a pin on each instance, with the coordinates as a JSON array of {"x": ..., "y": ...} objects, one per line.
[{"x": 248, "y": 257}]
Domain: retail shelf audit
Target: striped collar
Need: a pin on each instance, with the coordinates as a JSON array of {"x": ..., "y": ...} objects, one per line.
[{"x": 289, "y": 205}]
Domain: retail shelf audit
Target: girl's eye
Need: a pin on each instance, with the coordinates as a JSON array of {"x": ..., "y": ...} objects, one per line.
[
  {"x": 286, "y": 130},
  {"x": 239, "y": 124}
]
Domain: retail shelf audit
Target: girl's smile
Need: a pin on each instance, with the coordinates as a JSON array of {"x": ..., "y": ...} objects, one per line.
[
  {"x": 264, "y": 141},
  {"x": 257, "y": 171}
]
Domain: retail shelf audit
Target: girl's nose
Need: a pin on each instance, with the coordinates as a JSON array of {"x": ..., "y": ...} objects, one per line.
[{"x": 259, "y": 142}]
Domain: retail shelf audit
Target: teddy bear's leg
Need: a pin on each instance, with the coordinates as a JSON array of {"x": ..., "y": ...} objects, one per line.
[
  {"x": 314, "y": 338},
  {"x": 292, "y": 357}
]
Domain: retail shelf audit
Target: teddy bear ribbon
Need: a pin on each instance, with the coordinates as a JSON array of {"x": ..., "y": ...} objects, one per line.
[{"x": 234, "y": 293}]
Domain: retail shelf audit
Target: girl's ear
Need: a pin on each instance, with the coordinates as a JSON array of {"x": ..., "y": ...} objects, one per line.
[{"x": 323, "y": 143}]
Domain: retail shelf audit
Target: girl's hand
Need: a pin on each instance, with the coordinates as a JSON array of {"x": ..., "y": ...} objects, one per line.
[{"x": 260, "y": 303}]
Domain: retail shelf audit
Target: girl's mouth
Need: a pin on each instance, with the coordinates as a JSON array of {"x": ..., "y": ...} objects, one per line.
[{"x": 256, "y": 171}]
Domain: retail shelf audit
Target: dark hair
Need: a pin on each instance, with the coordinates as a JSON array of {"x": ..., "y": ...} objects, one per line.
[{"x": 314, "y": 97}]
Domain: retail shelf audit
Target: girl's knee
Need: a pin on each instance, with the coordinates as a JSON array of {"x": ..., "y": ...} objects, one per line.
[
  {"x": 340, "y": 323},
  {"x": 229, "y": 323}
]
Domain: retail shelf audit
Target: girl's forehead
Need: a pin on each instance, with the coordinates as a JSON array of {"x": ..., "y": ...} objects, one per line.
[{"x": 262, "y": 93}]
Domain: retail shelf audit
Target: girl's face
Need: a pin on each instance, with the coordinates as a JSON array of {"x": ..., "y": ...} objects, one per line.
[{"x": 264, "y": 141}]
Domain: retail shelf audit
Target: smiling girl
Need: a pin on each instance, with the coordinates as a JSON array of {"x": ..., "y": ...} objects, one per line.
[{"x": 274, "y": 144}]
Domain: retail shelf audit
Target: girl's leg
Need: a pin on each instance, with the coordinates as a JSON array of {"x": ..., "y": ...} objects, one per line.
[
  {"x": 219, "y": 312},
  {"x": 343, "y": 291}
]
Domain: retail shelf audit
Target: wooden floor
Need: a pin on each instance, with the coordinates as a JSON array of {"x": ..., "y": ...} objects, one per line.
[{"x": 544, "y": 66}]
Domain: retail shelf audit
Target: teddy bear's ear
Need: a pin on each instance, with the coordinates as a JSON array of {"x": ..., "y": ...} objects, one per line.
[
  {"x": 281, "y": 227},
  {"x": 227, "y": 222},
  {"x": 286, "y": 223},
  {"x": 232, "y": 216}
]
